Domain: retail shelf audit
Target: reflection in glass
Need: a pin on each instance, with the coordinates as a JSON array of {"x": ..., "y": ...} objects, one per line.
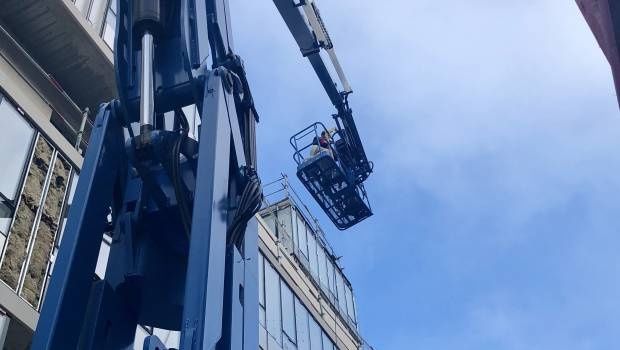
[
  {"x": 272, "y": 296},
  {"x": 16, "y": 140},
  {"x": 301, "y": 318},
  {"x": 17, "y": 137},
  {"x": 109, "y": 27},
  {"x": 288, "y": 312}
]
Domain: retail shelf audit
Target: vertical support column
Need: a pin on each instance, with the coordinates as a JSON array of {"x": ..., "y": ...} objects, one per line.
[
  {"x": 66, "y": 299},
  {"x": 250, "y": 286},
  {"x": 220, "y": 31},
  {"x": 204, "y": 289}
]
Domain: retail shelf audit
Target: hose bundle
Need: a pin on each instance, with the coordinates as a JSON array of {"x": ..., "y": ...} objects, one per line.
[{"x": 249, "y": 204}]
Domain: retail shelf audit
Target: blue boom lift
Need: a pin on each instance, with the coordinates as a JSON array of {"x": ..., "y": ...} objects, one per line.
[
  {"x": 335, "y": 174},
  {"x": 180, "y": 212}
]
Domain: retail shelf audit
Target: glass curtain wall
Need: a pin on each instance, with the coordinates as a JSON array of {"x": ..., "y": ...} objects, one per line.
[
  {"x": 285, "y": 323},
  {"x": 287, "y": 223}
]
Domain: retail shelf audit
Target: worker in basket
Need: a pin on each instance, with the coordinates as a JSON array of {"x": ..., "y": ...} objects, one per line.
[{"x": 323, "y": 143}]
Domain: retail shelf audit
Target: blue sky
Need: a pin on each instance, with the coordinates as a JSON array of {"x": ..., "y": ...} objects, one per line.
[{"x": 495, "y": 134}]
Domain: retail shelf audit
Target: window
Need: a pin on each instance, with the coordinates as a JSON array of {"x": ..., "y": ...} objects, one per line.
[
  {"x": 284, "y": 322},
  {"x": 341, "y": 298},
  {"x": 109, "y": 27},
  {"x": 302, "y": 243},
  {"x": 97, "y": 8},
  {"x": 284, "y": 221},
  {"x": 288, "y": 312},
  {"x": 349, "y": 295},
  {"x": 82, "y": 5},
  {"x": 272, "y": 303},
  {"x": 301, "y": 320},
  {"x": 327, "y": 343},
  {"x": 285, "y": 227},
  {"x": 316, "y": 341},
  {"x": 314, "y": 268},
  {"x": 270, "y": 220},
  {"x": 17, "y": 136},
  {"x": 262, "y": 335},
  {"x": 330, "y": 277},
  {"x": 322, "y": 268},
  {"x": 261, "y": 280}
]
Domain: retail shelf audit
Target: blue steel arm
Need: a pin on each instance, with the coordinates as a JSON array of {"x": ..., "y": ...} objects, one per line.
[
  {"x": 205, "y": 272},
  {"x": 305, "y": 24},
  {"x": 66, "y": 300}
]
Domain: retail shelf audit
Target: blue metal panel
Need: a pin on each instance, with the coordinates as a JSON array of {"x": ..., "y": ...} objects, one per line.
[
  {"x": 232, "y": 338},
  {"x": 204, "y": 292},
  {"x": 250, "y": 286},
  {"x": 66, "y": 301}
]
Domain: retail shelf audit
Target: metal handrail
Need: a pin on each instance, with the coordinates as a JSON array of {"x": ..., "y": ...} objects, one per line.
[{"x": 303, "y": 134}]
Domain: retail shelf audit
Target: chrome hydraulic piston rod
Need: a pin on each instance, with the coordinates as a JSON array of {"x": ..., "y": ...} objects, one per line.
[{"x": 147, "y": 93}]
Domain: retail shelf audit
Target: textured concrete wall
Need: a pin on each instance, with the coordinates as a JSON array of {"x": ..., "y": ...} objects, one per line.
[
  {"x": 25, "y": 215},
  {"x": 46, "y": 233}
]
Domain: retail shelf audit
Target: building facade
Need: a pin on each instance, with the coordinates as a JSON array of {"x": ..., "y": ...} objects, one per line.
[{"x": 56, "y": 67}]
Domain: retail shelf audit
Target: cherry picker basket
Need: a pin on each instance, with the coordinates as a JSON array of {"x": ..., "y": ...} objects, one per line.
[{"x": 328, "y": 178}]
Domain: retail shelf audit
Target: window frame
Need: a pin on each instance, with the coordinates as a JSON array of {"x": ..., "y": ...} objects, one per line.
[{"x": 104, "y": 22}]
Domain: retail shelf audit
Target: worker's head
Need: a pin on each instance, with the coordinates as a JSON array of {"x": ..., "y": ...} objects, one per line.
[{"x": 323, "y": 134}]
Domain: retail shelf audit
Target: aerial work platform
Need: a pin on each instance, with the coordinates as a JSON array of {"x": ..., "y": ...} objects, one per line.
[{"x": 324, "y": 174}]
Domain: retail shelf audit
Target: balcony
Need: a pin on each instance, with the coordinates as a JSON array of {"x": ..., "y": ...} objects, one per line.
[{"x": 66, "y": 46}]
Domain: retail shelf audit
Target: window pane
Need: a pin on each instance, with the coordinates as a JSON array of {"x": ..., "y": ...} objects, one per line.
[
  {"x": 261, "y": 280},
  {"x": 327, "y": 343},
  {"x": 109, "y": 29},
  {"x": 294, "y": 228},
  {"x": 330, "y": 276},
  {"x": 82, "y": 5},
  {"x": 17, "y": 137},
  {"x": 285, "y": 228},
  {"x": 284, "y": 219},
  {"x": 97, "y": 9},
  {"x": 301, "y": 233},
  {"x": 288, "y": 312},
  {"x": 314, "y": 269},
  {"x": 6, "y": 214},
  {"x": 262, "y": 318},
  {"x": 349, "y": 295},
  {"x": 301, "y": 320},
  {"x": 316, "y": 342},
  {"x": 289, "y": 345},
  {"x": 322, "y": 268},
  {"x": 273, "y": 345},
  {"x": 270, "y": 219},
  {"x": 272, "y": 296},
  {"x": 262, "y": 337},
  {"x": 342, "y": 302}
]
